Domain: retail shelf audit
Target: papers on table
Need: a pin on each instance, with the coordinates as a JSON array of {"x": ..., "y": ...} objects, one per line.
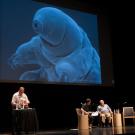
[{"x": 94, "y": 113}]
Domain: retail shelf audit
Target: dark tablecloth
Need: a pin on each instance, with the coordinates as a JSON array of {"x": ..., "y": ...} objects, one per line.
[{"x": 25, "y": 120}]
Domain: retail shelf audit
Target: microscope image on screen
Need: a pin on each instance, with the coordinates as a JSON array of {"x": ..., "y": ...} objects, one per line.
[{"x": 61, "y": 49}]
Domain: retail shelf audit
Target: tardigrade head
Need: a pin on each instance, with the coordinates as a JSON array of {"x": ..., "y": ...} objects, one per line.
[{"x": 49, "y": 23}]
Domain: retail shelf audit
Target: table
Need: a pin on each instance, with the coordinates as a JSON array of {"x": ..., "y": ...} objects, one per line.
[{"x": 25, "y": 120}]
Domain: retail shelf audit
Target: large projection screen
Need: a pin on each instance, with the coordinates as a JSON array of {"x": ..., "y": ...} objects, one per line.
[{"x": 48, "y": 44}]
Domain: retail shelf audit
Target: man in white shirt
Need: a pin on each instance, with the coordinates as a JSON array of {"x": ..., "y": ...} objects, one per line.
[
  {"x": 105, "y": 113},
  {"x": 20, "y": 99}
]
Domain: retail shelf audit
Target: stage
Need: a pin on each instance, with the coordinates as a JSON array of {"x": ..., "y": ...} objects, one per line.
[{"x": 129, "y": 130}]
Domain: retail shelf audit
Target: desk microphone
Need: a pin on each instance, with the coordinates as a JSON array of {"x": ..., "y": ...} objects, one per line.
[{"x": 125, "y": 103}]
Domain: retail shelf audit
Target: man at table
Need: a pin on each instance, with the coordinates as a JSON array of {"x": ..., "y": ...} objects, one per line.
[{"x": 20, "y": 99}]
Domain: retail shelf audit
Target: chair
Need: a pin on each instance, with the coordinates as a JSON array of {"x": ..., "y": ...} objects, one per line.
[
  {"x": 112, "y": 118},
  {"x": 128, "y": 113},
  {"x": 112, "y": 121}
]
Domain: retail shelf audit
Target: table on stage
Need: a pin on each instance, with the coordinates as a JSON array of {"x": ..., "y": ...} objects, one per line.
[{"x": 25, "y": 120}]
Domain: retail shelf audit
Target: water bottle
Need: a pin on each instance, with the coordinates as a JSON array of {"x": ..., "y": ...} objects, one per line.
[{"x": 17, "y": 106}]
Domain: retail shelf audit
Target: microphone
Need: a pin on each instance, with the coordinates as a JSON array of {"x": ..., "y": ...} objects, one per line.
[
  {"x": 81, "y": 103},
  {"x": 124, "y": 102}
]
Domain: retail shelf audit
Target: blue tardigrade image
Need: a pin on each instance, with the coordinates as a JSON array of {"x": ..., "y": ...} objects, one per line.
[{"x": 61, "y": 48}]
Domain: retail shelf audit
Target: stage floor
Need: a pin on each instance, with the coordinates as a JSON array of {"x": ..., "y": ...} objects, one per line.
[{"x": 130, "y": 130}]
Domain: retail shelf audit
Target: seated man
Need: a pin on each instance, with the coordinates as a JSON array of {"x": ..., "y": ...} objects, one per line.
[
  {"x": 104, "y": 113},
  {"x": 20, "y": 99},
  {"x": 88, "y": 108}
]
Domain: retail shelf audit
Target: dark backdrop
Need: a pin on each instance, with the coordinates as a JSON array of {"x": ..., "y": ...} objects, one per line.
[{"x": 55, "y": 104}]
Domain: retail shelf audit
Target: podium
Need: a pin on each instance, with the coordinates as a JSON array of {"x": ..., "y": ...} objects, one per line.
[
  {"x": 83, "y": 120},
  {"x": 117, "y": 120},
  {"x": 84, "y": 132}
]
